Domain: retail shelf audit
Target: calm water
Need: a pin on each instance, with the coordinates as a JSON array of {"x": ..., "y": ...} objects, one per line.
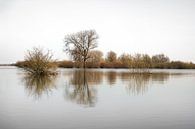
[{"x": 97, "y": 99}]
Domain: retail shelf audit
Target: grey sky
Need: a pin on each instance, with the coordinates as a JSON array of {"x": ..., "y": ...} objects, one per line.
[{"x": 131, "y": 26}]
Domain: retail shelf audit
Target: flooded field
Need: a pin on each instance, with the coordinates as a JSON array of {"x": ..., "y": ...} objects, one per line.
[{"x": 97, "y": 99}]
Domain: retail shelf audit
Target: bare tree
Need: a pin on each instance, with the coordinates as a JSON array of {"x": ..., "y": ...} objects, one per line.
[
  {"x": 96, "y": 57},
  {"x": 79, "y": 44},
  {"x": 160, "y": 58},
  {"x": 147, "y": 61},
  {"x": 125, "y": 59},
  {"x": 111, "y": 57}
]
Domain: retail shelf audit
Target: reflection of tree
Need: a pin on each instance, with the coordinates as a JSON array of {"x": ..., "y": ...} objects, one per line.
[
  {"x": 81, "y": 84},
  {"x": 138, "y": 83},
  {"x": 37, "y": 85},
  {"x": 94, "y": 77},
  {"x": 79, "y": 90},
  {"x": 111, "y": 76},
  {"x": 160, "y": 77}
]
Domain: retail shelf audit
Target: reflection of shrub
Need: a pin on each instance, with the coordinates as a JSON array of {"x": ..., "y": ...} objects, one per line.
[
  {"x": 39, "y": 63},
  {"x": 37, "y": 85}
]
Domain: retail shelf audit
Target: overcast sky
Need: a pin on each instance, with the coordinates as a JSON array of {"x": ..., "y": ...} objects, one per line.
[{"x": 131, "y": 26}]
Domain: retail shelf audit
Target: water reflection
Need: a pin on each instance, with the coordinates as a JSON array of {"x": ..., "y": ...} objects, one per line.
[
  {"x": 80, "y": 88},
  {"x": 138, "y": 83},
  {"x": 168, "y": 98},
  {"x": 82, "y": 85},
  {"x": 38, "y": 85},
  {"x": 111, "y": 77}
]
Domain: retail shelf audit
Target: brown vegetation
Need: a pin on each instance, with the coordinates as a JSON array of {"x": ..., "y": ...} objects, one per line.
[
  {"x": 38, "y": 85},
  {"x": 65, "y": 64},
  {"x": 79, "y": 45},
  {"x": 37, "y": 62},
  {"x": 136, "y": 62}
]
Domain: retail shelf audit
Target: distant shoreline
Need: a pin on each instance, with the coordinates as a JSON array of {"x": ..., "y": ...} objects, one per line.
[
  {"x": 7, "y": 64},
  {"x": 96, "y": 68}
]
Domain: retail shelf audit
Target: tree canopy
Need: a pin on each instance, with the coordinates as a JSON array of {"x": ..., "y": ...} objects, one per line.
[{"x": 78, "y": 45}]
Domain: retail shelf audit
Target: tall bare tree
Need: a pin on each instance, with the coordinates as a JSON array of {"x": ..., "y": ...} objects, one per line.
[{"x": 78, "y": 45}]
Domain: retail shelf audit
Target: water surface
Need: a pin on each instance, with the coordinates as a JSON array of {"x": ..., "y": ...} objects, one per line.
[{"x": 97, "y": 99}]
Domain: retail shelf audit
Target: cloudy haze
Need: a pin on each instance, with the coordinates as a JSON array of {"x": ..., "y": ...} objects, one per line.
[{"x": 131, "y": 26}]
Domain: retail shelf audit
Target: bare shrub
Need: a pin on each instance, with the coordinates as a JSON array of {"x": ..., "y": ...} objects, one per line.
[{"x": 38, "y": 62}]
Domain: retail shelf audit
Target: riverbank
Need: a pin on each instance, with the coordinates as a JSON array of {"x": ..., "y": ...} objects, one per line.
[{"x": 118, "y": 65}]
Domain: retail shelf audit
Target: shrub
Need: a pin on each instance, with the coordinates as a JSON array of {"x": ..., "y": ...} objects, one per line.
[
  {"x": 39, "y": 63},
  {"x": 65, "y": 64}
]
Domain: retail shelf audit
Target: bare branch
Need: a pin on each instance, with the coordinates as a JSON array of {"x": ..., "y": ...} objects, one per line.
[{"x": 78, "y": 45}]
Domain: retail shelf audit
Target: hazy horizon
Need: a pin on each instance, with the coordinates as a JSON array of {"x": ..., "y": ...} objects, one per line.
[{"x": 130, "y": 26}]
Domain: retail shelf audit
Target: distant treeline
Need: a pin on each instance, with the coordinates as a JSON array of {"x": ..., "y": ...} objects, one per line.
[
  {"x": 7, "y": 64},
  {"x": 80, "y": 47},
  {"x": 111, "y": 60}
]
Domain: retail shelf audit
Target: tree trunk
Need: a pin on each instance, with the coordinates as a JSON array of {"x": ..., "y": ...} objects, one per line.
[{"x": 84, "y": 63}]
